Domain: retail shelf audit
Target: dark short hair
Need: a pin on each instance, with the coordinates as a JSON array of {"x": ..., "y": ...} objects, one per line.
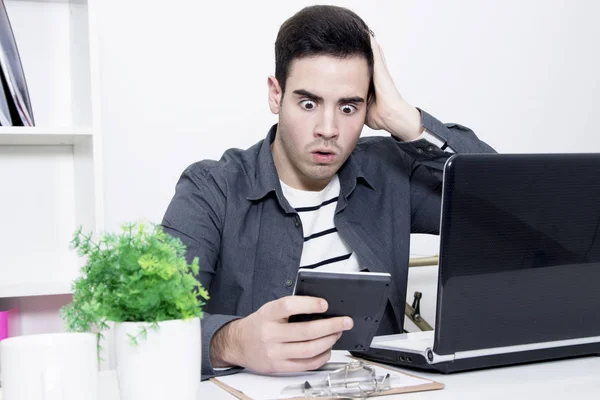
[{"x": 322, "y": 30}]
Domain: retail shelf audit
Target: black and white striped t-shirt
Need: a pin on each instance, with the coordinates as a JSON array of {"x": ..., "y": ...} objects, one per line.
[{"x": 323, "y": 249}]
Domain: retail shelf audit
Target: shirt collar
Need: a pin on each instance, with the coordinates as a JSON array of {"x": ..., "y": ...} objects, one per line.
[{"x": 266, "y": 179}]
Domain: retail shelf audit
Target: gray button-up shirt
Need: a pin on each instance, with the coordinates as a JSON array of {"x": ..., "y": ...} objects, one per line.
[{"x": 232, "y": 214}]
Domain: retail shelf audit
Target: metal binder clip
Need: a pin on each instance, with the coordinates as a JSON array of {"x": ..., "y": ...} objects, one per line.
[{"x": 356, "y": 380}]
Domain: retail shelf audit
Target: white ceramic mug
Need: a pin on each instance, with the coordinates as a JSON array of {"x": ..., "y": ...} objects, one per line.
[{"x": 53, "y": 366}]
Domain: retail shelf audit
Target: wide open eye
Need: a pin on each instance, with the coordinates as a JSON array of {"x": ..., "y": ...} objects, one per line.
[
  {"x": 348, "y": 109},
  {"x": 308, "y": 105}
]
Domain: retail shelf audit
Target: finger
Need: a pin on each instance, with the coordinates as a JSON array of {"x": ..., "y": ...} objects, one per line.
[
  {"x": 382, "y": 79},
  {"x": 284, "y": 307},
  {"x": 378, "y": 57},
  {"x": 306, "y": 364},
  {"x": 310, "y": 330},
  {"x": 308, "y": 349}
]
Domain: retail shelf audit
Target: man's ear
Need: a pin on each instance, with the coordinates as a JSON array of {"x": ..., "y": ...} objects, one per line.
[{"x": 275, "y": 94}]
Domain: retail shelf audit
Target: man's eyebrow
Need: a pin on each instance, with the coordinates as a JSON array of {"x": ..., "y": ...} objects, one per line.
[
  {"x": 355, "y": 99},
  {"x": 306, "y": 93}
]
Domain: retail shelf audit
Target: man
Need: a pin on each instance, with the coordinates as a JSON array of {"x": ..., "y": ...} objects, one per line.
[{"x": 312, "y": 195}]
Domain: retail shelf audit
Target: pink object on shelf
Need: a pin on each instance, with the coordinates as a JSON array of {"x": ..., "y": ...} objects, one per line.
[
  {"x": 9, "y": 323},
  {"x": 3, "y": 325}
]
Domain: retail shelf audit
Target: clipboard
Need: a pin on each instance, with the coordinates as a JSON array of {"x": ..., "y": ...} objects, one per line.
[{"x": 432, "y": 385}]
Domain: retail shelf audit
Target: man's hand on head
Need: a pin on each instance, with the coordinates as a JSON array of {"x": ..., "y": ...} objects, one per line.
[
  {"x": 389, "y": 111},
  {"x": 265, "y": 342}
]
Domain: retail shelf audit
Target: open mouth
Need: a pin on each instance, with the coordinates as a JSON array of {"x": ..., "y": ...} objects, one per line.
[{"x": 323, "y": 157}]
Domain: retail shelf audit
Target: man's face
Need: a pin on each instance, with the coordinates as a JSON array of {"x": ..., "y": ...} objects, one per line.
[{"x": 321, "y": 117}]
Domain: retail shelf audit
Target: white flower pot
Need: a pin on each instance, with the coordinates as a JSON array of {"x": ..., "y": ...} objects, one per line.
[{"x": 164, "y": 365}]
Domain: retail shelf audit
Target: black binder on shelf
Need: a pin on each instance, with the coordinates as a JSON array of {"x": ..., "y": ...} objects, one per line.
[{"x": 15, "y": 105}]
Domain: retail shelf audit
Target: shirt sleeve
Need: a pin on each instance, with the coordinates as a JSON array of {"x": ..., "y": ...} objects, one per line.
[
  {"x": 427, "y": 156},
  {"x": 434, "y": 140},
  {"x": 195, "y": 215}
]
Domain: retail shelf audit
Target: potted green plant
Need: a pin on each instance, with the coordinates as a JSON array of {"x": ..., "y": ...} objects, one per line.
[{"x": 140, "y": 280}]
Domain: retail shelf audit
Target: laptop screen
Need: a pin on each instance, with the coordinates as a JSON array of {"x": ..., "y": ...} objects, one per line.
[{"x": 519, "y": 250}]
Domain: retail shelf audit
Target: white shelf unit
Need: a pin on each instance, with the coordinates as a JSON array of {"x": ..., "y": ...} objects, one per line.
[
  {"x": 50, "y": 174},
  {"x": 27, "y": 136}
]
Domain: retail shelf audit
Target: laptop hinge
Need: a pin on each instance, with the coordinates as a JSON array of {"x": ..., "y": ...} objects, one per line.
[{"x": 433, "y": 358}]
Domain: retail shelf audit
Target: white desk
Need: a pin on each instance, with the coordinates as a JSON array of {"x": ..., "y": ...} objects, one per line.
[{"x": 548, "y": 380}]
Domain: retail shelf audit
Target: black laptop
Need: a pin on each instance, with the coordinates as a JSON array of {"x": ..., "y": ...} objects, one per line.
[{"x": 519, "y": 267}]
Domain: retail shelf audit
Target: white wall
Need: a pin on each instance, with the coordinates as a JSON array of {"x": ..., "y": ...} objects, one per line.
[{"x": 184, "y": 80}]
